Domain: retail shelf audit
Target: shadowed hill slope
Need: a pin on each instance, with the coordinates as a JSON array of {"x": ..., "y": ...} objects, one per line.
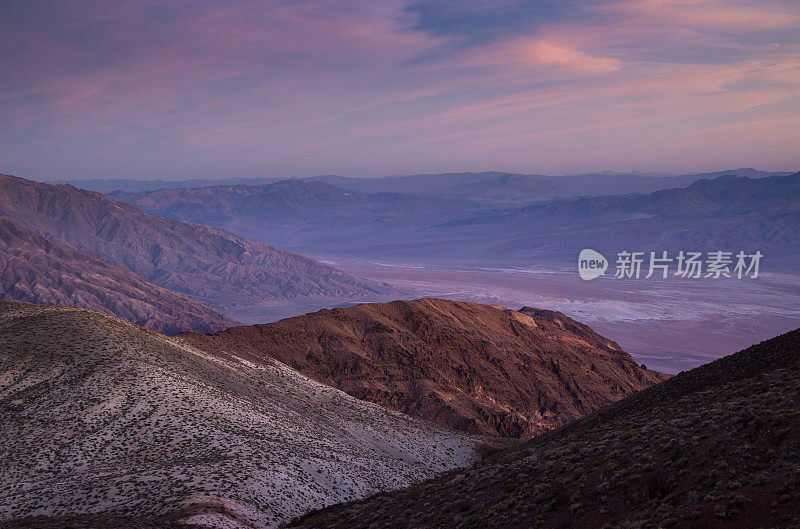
[
  {"x": 103, "y": 419},
  {"x": 467, "y": 366},
  {"x": 36, "y": 270},
  {"x": 718, "y": 446}
]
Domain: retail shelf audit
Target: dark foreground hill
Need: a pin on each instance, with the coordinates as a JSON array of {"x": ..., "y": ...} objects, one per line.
[
  {"x": 212, "y": 265},
  {"x": 36, "y": 270},
  {"x": 467, "y": 366},
  {"x": 718, "y": 446},
  {"x": 104, "y": 423}
]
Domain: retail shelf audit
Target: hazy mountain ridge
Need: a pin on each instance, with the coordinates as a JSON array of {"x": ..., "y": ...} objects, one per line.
[
  {"x": 512, "y": 188},
  {"x": 130, "y": 185},
  {"x": 301, "y": 214},
  {"x": 728, "y": 213},
  {"x": 713, "y": 447},
  {"x": 472, "y": 367},
  {"x": 215, "y": 266},
  {"x": 102, "y": 418},
  {"x": 314, "y": 215},
  {"x": 306, "y": 203},
  {"x": 516, "y": 188},
  {"x": 36, "y": 270},
  {"x": 726, "y": 195}
]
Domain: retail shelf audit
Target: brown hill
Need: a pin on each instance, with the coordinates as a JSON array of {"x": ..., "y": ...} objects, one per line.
[
  {"x": 36, "y": 270},
  {"x": 715, "y": 447},
  {"x": 467, "y": 366},
  {"x": 210, "y": 264}
]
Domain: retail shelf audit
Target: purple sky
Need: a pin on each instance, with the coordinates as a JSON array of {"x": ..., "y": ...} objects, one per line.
[{"x": 178, "y": 89}]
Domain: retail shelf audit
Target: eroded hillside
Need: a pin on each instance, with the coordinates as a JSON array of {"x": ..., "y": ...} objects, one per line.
[
  {"x": 467, "y": 366},
  {"x": 217, "y": 267},
  {"x": 36, "y": 270},
  {"x": 715, "y": 447}
]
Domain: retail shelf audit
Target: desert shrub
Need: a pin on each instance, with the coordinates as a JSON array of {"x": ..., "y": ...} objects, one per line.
[
  {"x": 656, "y": 487},
  {"x": 486, "y": 450},
  {"x": 464, "y": 505}
]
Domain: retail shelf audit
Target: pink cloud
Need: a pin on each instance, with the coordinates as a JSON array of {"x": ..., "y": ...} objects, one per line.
[
  {"x": 352, "y": 87},
  {"x": 537, "y": 55},
  {"x": 727, "y": 15}
]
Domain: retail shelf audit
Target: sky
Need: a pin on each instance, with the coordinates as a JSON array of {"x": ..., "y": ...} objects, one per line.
[{"x": 208, "y": 89}]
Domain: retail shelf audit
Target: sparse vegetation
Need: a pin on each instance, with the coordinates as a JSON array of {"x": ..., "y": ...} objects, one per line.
[
  {"x": 715, "y": 447},
  {"x": 104, "y": 421}
]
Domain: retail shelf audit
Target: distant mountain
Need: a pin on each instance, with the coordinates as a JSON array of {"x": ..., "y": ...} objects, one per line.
[
  {"x": 104, "y": 422},
  {"x": 534, "y": 187},
  {"x": 479, "y": 216},
  {"x": 217, "y": 267},
  {"x": 511, "y": 188},
  {"x": 134, "y": 186},
  {"x": 301, "y": 214},
  {"x": 747, "y": 172},
  {"x": 718, "y": 446},
  {"x": 467, "y": 366},
  {"x": 728, "y": 213},
  {"x": 37, "y": 270},
  {"x": 420, "y": 184},
  {"x": 727, "y": 195}
]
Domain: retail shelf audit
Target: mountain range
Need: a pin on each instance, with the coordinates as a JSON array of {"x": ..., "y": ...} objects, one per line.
[
  {"x": 104, "y": 419},
  {"x": 213, "y": 266},
  {"x": 508, "y": 189},
  {"x": 728, "y": 194},
  {"x": 108, "y": 185},
  {"x": 471, "y": 367},
  {"x": 109, "y": 425},
  {"x": 423, "y": 413},
  {"x": 303, "y": 214},
  {"x": 727, "y": 213},
  {"x": 335, "y": 216},
  {"x": 491, "y": 187}
]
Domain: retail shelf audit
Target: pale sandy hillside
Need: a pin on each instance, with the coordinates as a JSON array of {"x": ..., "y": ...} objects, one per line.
[{"x": 100, "y": 416}]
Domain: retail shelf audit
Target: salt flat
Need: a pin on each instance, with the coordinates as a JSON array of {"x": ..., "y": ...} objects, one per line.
[{"x": 671, "y": 325}]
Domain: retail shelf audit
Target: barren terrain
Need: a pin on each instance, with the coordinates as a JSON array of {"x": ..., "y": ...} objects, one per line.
[
  {"x": 480, "y": 368},
  {"x": 100, "y": 417},
  {"x": 715, "y": 447}
]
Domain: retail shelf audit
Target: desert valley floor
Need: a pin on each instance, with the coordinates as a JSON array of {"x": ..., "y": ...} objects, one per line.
[{"x": 656, "y": 321}]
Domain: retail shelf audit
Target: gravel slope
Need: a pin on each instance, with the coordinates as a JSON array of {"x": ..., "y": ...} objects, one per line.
[{"x": 100, "y": 417}]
